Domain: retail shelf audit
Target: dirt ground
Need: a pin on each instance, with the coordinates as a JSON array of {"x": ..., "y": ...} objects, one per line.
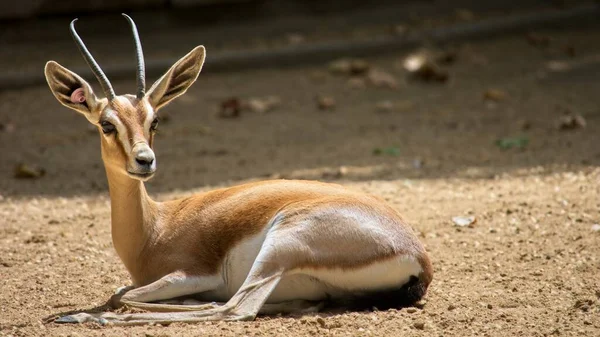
[{"x": 529, "y": 266}]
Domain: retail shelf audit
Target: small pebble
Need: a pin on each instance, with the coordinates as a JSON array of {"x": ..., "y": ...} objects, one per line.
[
  {"x": 419, "y": 325},
  {"x": 384, "y": 106},
  {"x": 326, "y": 103}
]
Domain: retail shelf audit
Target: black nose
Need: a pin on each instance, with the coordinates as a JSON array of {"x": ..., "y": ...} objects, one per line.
[{"x": 144, "y": 160}]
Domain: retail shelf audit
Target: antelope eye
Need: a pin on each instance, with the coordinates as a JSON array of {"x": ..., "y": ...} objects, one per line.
[
  {"x": 107, "y": 127},
  {"x": 154, "y": 124}
]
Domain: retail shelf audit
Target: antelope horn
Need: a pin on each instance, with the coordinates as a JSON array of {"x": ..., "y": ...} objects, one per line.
[
  {"x": 140, "y": 69},
  {"x": 104, "y": 82}
]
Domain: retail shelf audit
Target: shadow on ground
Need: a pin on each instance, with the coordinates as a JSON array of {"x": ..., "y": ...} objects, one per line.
[{"x": 433, "y": 130}]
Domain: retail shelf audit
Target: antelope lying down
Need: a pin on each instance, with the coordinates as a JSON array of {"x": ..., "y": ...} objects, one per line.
[{"x": 265, "y": 247}]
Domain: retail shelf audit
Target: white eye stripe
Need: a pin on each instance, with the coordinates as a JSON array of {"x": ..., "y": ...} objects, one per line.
[
  {"x": 149, "y": 116},
  {"x": 122, "y": 133}
]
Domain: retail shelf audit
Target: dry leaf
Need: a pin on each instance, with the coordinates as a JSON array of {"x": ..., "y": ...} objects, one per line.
[
  {"x": 382, "y": 79},
  {"x": 24, "y": 171},
  {"x": 230, "y": 108},
  {"x": 571, "y": 122},
  {"x": 495, "y": 95}
]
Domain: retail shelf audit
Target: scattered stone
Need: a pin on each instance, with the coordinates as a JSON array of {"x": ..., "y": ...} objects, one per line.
[
  {"x": 24, "y": 171},
  {"x": 421, "y": 66},
  {"x": 262, "y": 105},
  {"x": 451, "y": 307},
  {"x": 596, "y": 228},
  {"x": 232, "y": 107},
  {"x": 495, "y": 95},
  {"x": 571, "y": 122},
  {"x": 382, "y": 79},
  {"x": 36, "y": 239},
  {"x": 349, "y": 66},
  {"x": 356, "y": 82},
  {"x": 384, "y": 106},
  {"x": 489, "y": 306},
  {"x": 53, "y": 222},
  {"x": 463, "y": 221},
  {"x": 411, "y": 310},
  {"x": 419, "y": 325},
  {"x": 325, "y": 102},
  {"x": 342, "y": 171},
  {"x": 321, "y": 322}
]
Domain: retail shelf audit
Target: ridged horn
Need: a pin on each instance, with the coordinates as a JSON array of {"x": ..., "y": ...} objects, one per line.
[
  {"x": 89, "y": 59},
  {"x": 140, "y": 68}
]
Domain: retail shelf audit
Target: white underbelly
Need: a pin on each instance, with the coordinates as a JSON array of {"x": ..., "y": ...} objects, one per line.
[
  {"x": 313, "y": 283},
  {"x": 316, "y": 284}
]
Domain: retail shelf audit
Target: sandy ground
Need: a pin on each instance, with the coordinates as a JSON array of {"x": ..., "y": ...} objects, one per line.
[{"x": 529, "y": 266}]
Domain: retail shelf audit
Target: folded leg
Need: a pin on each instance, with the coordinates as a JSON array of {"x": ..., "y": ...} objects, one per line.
[{"x": 170, "y": 286}]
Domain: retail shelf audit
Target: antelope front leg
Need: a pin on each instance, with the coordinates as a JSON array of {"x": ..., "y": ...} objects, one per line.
[
  {"x": 168, "y": 287},
  {"x": 243, "y": 306}
]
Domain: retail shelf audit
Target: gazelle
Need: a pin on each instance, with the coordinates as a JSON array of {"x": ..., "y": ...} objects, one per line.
[{"x": 263, "y": 247}]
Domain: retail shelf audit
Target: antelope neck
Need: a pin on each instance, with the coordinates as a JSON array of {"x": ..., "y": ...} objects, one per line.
[{"x": 133, "y": 217}]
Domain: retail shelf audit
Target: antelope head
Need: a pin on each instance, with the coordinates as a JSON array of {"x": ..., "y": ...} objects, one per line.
[{"x": 126, "y": 123}]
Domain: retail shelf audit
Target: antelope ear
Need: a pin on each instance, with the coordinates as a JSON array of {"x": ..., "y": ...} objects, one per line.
[
  {"x": 178, "y": 79},
  {"x": 72, "y": 91}
]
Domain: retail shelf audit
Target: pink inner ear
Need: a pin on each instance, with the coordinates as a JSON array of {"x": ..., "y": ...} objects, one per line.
[{"x": 78, "y": 96}]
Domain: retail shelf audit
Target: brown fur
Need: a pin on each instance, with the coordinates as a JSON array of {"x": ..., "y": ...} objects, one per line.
[{"x": 207, "y": 226}]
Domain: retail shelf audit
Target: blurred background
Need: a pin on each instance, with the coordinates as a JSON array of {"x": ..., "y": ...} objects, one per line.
[{"x": 312, "y": 89}]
